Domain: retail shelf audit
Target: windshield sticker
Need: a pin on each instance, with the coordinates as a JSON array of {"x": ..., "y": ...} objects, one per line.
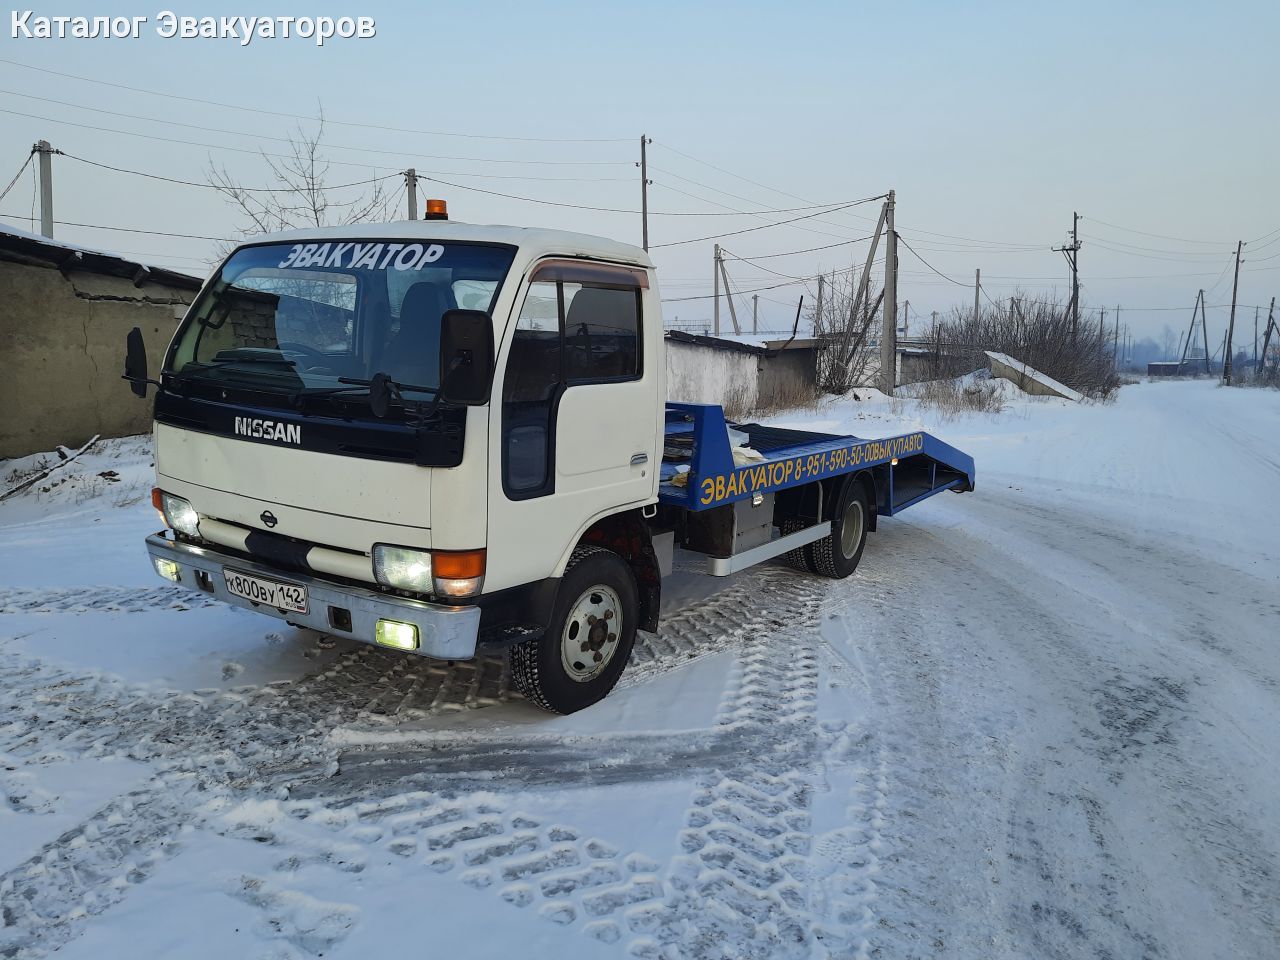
[{"x": 363, "y": 256}]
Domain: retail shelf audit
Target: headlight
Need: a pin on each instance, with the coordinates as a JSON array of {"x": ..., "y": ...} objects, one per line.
[
  {"x": 402, "y": 568},
  {"x": 180, "y": 515}
]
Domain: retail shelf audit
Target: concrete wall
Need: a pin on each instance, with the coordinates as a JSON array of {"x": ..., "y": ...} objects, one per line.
[
  {"x": 1024, "y": 383},
  {"x": 741, "y": 381},
  {"x": 62, "y": 344},
  {"x": 701, "y": 374},
  {"x": 787, "y": 378}
]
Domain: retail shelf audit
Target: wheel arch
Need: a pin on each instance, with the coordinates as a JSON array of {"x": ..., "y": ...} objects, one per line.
[
  {"x": 627, "y": 534},
  {"x": 835, "y": 492}
]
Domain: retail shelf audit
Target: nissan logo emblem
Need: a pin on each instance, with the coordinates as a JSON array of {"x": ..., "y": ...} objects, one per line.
[{"x": 268, "y": 518}]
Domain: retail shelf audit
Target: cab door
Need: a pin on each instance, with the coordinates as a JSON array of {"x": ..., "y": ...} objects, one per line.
[{"x": 574, "y": 418}]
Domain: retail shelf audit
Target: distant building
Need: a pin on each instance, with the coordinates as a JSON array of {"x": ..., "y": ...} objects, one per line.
[{"x": 741, "y": 374}]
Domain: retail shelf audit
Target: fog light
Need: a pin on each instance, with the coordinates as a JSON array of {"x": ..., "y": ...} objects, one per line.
[
  {"x": 167, "y": 569},
  {"x": 393, "y": 633}
]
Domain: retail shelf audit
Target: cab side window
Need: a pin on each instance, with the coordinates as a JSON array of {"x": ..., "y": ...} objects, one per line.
[
  {"x": 578, "y": 325},
  {"x": 601, "y": 333}
]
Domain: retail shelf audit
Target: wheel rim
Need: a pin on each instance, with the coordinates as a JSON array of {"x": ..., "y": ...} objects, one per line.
[
  {"x": 591, "y": 632},
  {"x": 851, "y": 529}
]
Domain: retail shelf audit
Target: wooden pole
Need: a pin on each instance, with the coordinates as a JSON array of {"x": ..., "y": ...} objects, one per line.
[
  {"x": 1231, "y": 324},
  {"x": 715, "y": 274},
  {"x": 889, "y": 335}
]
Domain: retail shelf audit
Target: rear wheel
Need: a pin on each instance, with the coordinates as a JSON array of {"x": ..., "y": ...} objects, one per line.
[
  {"x": 837, "y": 554},
  {"x": 797, "y": 559},
  {"x": 593, "y": 627}
]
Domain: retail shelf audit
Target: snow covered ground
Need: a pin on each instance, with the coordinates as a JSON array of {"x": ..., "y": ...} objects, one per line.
[{"x": 1040, "y": 721}]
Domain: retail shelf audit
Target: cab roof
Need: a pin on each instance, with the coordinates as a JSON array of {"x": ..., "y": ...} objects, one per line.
[{"x": 532, "y": 241}]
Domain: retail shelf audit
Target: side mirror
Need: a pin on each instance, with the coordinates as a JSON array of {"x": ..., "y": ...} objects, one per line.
[
  {"x": 135, "y": 363},
  {"x": 466, "y": 357}
]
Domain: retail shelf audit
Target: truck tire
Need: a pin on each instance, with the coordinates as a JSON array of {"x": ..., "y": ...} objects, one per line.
[
  {"x": 837, "y": 554},
  {"x": 593, "y": 627},
  {"x": 797, "y": 559}
]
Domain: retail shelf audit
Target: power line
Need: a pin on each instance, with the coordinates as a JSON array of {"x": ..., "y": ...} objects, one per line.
[
  {"x": 704, "y": 186},
  {"x": 790, "y": 276},
  {"x": 930, "y": 265},
  {"x": 1101, "y": 241},
  {"x": 765, "y": 226},
  {"x": 212, "y": 186},
  {"x": 5, "y": 192},
  {"x": 1158, "y": 236},
  {"x": 741, "y": 293},
  {"x": 98, "y": 226},
  {"x": 652, "y": 213},
  {"x": 329, "y": 146},
  {"x": 294, "y": 116},
  {"x": 792, "y": 253}
]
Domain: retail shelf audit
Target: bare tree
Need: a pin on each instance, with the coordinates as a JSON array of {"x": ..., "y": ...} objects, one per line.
[
  {"x": 845, "y": 359},
  {"x": 299, "y": 195},
  {"x": 1037, "y": 332}
]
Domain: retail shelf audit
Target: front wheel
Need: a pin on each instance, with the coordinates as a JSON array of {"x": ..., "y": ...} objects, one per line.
[{"x": 593, "y": 627}]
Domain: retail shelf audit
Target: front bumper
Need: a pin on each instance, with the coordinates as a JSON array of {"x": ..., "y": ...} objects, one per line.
[{"x": 447, "y": 633}]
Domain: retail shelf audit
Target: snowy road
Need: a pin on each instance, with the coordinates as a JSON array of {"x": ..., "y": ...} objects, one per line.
[{"x": 1040, "y": 721}]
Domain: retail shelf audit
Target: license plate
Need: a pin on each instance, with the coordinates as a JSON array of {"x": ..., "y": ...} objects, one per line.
[{"x": 271, "y": 593}]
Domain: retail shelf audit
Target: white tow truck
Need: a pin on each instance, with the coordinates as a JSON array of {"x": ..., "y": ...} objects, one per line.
[{"x": 448, "y": 439}]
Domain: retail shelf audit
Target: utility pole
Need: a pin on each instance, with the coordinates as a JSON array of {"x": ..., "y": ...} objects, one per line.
[
  {"x": 977, "y": 289},
  {"x": 1070, "y": 252},
  {"x": 1190, "y": 332},
  {"x": 46, "y": 188},
  {"x": 411, "y": 181},
  {"x": 817, "y": 322},
  {"x": 1075, "y": 274},
  {"x": 906, "y": 318},
  {"x": 889, "y": 335},
  {"x": 715, "y": 273},
  {"x": 1231, "y": 325},
  {"x": 1204, "y": 332},
  {"x": 755, "y": 313},
  {"x": 1271, "y": 321},
  {"x": 644, "y": 192},
  {"x": 1255, "y": 340},
  {"x": 728, "y": 294},
  {"x": 1115, "y": 341},
  {"x": 1102, "y": 324}
]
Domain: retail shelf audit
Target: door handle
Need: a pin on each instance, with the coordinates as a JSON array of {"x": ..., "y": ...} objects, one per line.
[{"x": 637, "y": 459}]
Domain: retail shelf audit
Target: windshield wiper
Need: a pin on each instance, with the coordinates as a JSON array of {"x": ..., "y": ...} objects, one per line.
[
  {"x": 380, "y": 389},
  {"x": 253, "y": 358}
]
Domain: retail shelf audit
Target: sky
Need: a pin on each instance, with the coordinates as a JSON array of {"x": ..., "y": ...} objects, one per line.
[{"x": 992, "y": 122}]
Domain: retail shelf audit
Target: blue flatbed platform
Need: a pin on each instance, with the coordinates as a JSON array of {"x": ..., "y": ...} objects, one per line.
[{"x": 909, "y": 468}]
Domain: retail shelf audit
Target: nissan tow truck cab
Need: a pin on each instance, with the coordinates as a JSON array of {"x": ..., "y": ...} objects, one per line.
[{"x": 449, "y": 439}]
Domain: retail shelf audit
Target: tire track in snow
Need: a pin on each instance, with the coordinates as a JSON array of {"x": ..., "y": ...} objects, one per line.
[
  {"x": 98, "y": 599},
  {"x": 1066, "y": 707},
  {"x": 247, "y": 742}
]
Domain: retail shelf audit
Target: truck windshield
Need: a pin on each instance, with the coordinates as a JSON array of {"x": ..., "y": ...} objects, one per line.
[{"x": 295, "y": 318}]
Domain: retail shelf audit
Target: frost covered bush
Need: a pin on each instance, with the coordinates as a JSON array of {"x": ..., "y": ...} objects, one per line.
[{"x": 1039, "y": 333}]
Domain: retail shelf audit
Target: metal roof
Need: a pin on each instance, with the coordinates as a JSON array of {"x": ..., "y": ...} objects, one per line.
[{"x": 19, "y": 246}]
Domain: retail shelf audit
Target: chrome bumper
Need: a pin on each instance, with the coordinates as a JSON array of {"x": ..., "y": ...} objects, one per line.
[{"x": 447, "y": 633}]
